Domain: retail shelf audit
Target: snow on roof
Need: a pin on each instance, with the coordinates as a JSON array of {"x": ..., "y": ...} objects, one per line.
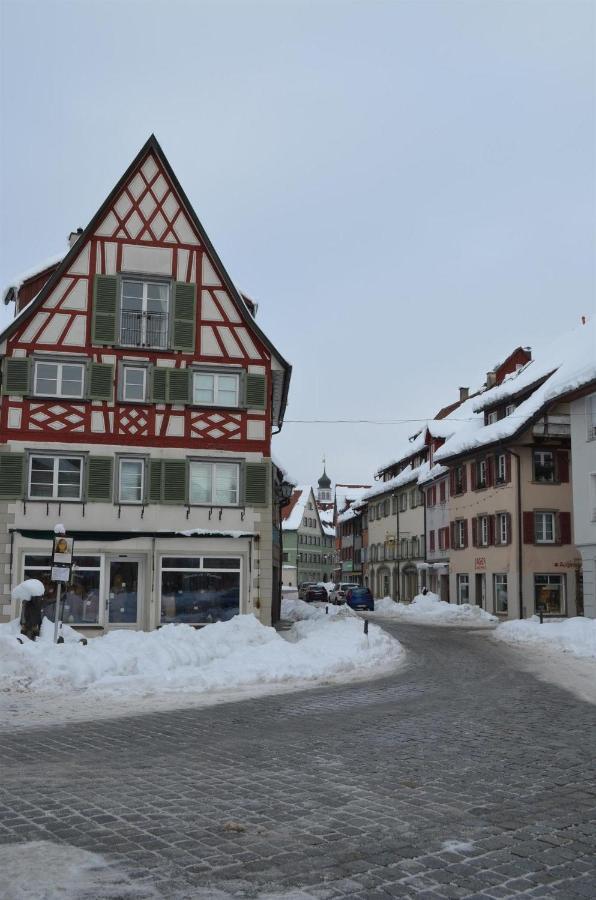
[
  {"x": 347, "y": 515},
  {"x": 346, "y": 494},
  {"x": 293, "y": 512},
  {"x": 326, "y": 516},
  {"x": 437, "y": 428},
  {"x": 429, "y": 473},
  {"x": 406, "y": 476},
  {"x": 571, "y": 360},
  {"x": 18, "y": 281}
]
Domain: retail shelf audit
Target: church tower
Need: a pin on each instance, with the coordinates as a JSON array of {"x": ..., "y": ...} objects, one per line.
[{"x": 324, "y": 493}]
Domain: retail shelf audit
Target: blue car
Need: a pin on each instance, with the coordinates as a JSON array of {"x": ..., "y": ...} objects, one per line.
[{"x": 360, "y": 598}]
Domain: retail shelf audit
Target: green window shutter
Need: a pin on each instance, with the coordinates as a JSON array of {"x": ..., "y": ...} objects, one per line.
[
  {"x": 12, "y": 472},
  {"x": 184, "y": 315},
  {"x": 256, "y": 479},
  {"x": 174, "y": 481},
  {"x": 105, "y": 304},
  {"x": 178, "y": 386},
  {"x": 155, "y": 471},
  {"x": 101, "y": 380},
  {"x": 159, "y": 384},
  {"x": 255, "y": 391},
  {"x": 100, "y": 476},
  {"x": 17, "y": 375}
]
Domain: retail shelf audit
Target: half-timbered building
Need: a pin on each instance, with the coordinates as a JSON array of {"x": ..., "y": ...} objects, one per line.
[{"x": 138, "y": 400}]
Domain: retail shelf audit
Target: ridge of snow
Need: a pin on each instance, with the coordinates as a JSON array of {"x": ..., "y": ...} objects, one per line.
[{"x": 18, "y": 281}]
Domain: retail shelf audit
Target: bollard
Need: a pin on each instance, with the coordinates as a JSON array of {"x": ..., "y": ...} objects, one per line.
[
  {"x": 541, "y": 614},
  {"x": 366, "y": 626},
  {"x": 326, "y": 610}
]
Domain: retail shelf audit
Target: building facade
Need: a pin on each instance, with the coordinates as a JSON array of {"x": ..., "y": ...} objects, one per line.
[
  {"x": 138, "y": 399},
  {"x": 583, "y": 449},
  {"x": 307, "y": 547}
]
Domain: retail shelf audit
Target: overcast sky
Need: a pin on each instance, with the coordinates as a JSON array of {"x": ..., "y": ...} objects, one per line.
[{"x": 407, "y": 188}]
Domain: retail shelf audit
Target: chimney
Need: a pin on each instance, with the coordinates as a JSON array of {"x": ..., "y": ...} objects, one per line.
[
  {"x": 464, "y": 393},
  {"x": 491, "y": 379},
  {"x": 74, "y": 236}
]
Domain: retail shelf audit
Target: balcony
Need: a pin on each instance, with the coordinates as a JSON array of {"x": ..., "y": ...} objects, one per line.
[
  {"x": 144, "y": 329},
  {"x": 553, "y": 426}
]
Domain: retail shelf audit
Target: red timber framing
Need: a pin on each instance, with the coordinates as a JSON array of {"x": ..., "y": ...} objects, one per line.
[{"x": 147, "y": 209}]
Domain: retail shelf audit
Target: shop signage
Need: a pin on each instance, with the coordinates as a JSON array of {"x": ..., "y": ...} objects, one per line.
[
  {"x": 62, "y": 552},
  {"x": 480, "y": 562},
  {"x": 568, "y": 564}
]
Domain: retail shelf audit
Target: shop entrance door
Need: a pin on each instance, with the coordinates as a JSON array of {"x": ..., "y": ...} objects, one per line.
[
  {"x": 481, "y": 590},
  {"x": 124, "y": 598}
]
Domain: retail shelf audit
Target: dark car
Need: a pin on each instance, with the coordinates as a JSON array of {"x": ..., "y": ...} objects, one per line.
[
  {"x": 303, "y": 587},
  {"x": 316, "y": 592},
  {"x": 360, "y": 598}
]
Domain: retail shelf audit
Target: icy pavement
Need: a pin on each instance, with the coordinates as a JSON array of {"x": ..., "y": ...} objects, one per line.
[
  {"x": 458, "y": 775},
  {"x": 178, "y": 666}
]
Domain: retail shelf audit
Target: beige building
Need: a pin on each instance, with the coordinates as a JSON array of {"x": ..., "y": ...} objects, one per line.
[{"x": 511, "y": 547}]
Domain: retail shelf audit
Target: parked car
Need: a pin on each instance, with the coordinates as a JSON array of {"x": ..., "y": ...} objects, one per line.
[
  {"x": 337, "y": 594},
  {"x": 303, "y": 587},
  {"x": 316, "y": 592},
  {"x": 360, "y": 598}
]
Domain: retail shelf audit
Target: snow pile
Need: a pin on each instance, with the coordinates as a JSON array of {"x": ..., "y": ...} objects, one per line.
[
  {"x": 27, "y": 589},
  {"x": 294, "y": 610},
  {"x": 222, "y": 656},
  {"x": 576, "y": 636},
  {"x": 429, "y": 609}
]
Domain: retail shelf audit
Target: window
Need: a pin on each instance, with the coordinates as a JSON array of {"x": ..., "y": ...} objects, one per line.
[
  {"x": 215, "y": 483},
  {"x": 481, "y": 473},
  {"x": 443, "y": 491},
  {"x": 461, "y": 533},
  {"x": 510, "y": 409},
  {"x": 415, "y": 547},
  {"x": 501, "y": 469},
  {"x": 413, "y": 498},
  {"x": 503, "y": 528},
  {"x": 463, "y": 588},
  {"x": 285, "y": 557},
  {"x": 59, "y": 379},
  {"x": 431, "y": 543},
  {"x": 591, "y": 408},
  {"x": 484, "y": 531},
  {"x": 134, "y": 383},
  {"x": 81, "y": 599},
  {"x": 442, "y": 532},
  {"x": 459, "y": 479},
  {"x": 549, "y": 594},
  {"x": 544, "y": 466},
  {"x": 544, "y": 527},
  {"x": 491, "y": 417},
  {"x": 199, "y": 590},
  {"x": 216, "y": 389},
  {"x": 593, "y": 495},
  {"x": 144, "y": 313},
  {"x": 403, "y": 502},
  {"x": 55, "y": 477},
  {"x": 131, "y": 480},
  {"x": 500, "y": 594}
]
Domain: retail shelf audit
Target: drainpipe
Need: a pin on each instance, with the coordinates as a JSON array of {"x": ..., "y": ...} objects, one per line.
[
  {"x": 397, "y": 546},
  {"x": 519, "y": 533}
]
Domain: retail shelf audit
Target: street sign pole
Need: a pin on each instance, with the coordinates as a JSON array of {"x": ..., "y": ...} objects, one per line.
[{"x": 57, "y": 615}]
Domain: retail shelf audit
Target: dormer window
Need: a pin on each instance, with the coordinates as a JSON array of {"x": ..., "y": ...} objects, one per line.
[
  {"x": 510, "y": 409},
  {"x": 144, "y": 313},
  {"x": 492, "y": 417}
]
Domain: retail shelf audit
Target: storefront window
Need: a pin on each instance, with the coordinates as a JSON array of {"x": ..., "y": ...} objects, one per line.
[
  {"x": 463, "y": 588},
  {"x": 199, "y": 590},
  {"x": 80, "y": 596},
  {"x": 549, "y": 594},
  {"x": 501, "y": 600}
]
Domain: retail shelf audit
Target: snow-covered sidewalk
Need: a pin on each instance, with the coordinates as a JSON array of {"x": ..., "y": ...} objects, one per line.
[
  {"x": 180, "y": 666},
  {"x": 576, "y": 636},
  {"x": 429, "y": 609}
]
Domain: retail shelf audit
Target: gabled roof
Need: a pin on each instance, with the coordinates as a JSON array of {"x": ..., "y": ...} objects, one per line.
[
  {"x": 565, "y": 365},
  {"x": 292, "y": 513},
  {"x": 152, "y": 146}
]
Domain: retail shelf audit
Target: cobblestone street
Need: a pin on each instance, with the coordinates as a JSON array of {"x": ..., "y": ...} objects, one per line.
[{"x": 457, "y": 776}]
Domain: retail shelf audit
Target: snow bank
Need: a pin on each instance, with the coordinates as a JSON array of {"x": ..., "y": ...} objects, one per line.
[
  {"x": 223, "y": 656},
  {"x": 576, "y": 636},
  {"x": 429, "y": 609},
  {"x": 293, "y": 610}
]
